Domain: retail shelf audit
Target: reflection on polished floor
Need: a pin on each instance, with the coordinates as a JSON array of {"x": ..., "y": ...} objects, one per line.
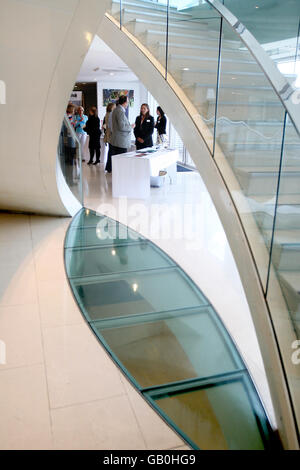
[{"x": 58, "y": 388}]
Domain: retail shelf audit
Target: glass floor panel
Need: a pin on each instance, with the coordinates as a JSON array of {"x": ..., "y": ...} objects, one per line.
[
  {"x": 170, "y": 347},
  {"x": 89, "y": 218},
  {"x": 134, "y": 293},
  {"x": 161, "y": 330},
  {"x": 220, "y": 415},
  {"x": 101, "y": 235},
  {"x": 115, "y": 259}
]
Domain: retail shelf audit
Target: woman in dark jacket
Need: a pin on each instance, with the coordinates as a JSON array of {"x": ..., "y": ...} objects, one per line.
[
  {"x": 161, "y": 125},
  {"x": 144, "y": 127},
  {"x": 92, "y": 128}
]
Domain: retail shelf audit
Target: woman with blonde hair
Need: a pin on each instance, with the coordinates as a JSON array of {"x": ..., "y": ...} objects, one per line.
[{"x": 80, "y": 121}]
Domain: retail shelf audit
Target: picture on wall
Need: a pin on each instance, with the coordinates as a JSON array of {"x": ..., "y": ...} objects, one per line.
[
  {"x": 112, "y": 96},
  {"x": 76, "y": 98}
]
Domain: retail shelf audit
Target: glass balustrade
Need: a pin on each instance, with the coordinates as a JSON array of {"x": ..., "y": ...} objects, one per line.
[
  {"x": 283, "y": 290},
  {"x": 143, "y": 20},
  {"x": 193, "y": 56},
  {"x": 249, "y": 131},
  {"x": 275, "y": 25},
  {"x": 246, "y": 127}
]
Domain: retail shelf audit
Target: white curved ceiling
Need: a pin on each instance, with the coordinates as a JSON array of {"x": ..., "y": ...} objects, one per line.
[{"x": 102, "y": 64}]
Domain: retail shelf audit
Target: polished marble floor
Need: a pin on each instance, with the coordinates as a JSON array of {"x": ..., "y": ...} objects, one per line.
[{"x": 58, "y": 387}]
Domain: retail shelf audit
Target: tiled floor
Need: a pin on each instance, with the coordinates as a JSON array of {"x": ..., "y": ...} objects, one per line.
[{"x": 58, "y": 388}]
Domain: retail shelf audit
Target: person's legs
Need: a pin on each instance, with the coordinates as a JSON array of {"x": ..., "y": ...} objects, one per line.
[
  {"x": 108, "y": 163},
  {"x": 97, "y": 155},
  {"x": 82, "y": 138},
  {"x": 92, "y": 151}
]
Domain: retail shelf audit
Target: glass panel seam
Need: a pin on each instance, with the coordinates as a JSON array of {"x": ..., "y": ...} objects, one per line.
[
  {"x": 166, "y": 314},
  {"x": 194, "y": 383},
  {"x": 104, "y": 246},
  {"x": 276, "y": 202},
  {"x": 217, "y": 86},
  {"x": 170, "y": 422},
  {"x": 116, "y": 273},
  {"x": 121, "y": 14},
  {"x": 167, "y": 39},
  {"x": 100, "y": 246}
]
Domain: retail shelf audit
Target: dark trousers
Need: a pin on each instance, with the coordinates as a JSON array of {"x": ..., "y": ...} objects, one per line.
[
  {"x": 117, "y": 150},
  {"x": 113, "y": 151},
  {"x": 110, "y": 153},
  {"x": 93, "y": 149}
]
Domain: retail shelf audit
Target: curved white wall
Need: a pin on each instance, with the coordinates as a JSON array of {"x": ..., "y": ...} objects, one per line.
[{"x": 43, "y": 44}]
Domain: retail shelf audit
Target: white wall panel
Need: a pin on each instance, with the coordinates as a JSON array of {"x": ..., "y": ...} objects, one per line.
[{"x": 42, "y": 46}]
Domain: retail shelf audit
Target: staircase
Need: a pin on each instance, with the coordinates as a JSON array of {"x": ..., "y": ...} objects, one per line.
[
  {"x": 249, "y": 133},
  {"x": 249, "y": 125}
]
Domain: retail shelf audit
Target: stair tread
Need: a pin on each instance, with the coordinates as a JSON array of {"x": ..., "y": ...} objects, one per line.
[
  {"x": 231, "y": 87},
  {"x": 257, "y": 103},
  {"x": 197, "y": 47},
  {"x": 268, "y": 169},
  {"x": 190, "y": 36},
  {"x": 158, "y": 12},
  {"x": 271, "y": 143},
  {"x": 171, "y": 24},
  {"x": 225, "y": 72},
  {"x": 292, "y": 278},
  {"x": 146, "y": 3},
  {"x": 284, "y": 200},
  {"x": 212, "y": 59},
  {"x": 285, "y": 237},
  {"x": 266, "y": 123}
]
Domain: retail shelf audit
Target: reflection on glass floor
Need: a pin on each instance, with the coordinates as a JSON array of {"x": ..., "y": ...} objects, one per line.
[{"x": 161, "y": 330}]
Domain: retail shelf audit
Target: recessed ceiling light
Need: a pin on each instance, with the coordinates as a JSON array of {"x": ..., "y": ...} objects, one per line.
[
  {"x": 185, "y": 68},
  {"x": 111, "y": 73}
]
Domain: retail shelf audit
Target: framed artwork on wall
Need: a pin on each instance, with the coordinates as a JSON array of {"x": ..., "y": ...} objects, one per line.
[
  {"x": 77, "y": 98},
  {"x": 112, "y": 96}
]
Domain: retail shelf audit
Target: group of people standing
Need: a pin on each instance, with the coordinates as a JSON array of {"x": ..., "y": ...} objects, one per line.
[
  {"x": 86, "y": 125},
  {"x": 117, "y": 129}
]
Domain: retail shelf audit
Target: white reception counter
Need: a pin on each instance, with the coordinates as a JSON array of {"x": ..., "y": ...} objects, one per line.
[{"x": 131, "y": 172}]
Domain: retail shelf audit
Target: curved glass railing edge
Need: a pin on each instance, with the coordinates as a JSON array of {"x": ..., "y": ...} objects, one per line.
[{"x": 69, "y": 168}]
